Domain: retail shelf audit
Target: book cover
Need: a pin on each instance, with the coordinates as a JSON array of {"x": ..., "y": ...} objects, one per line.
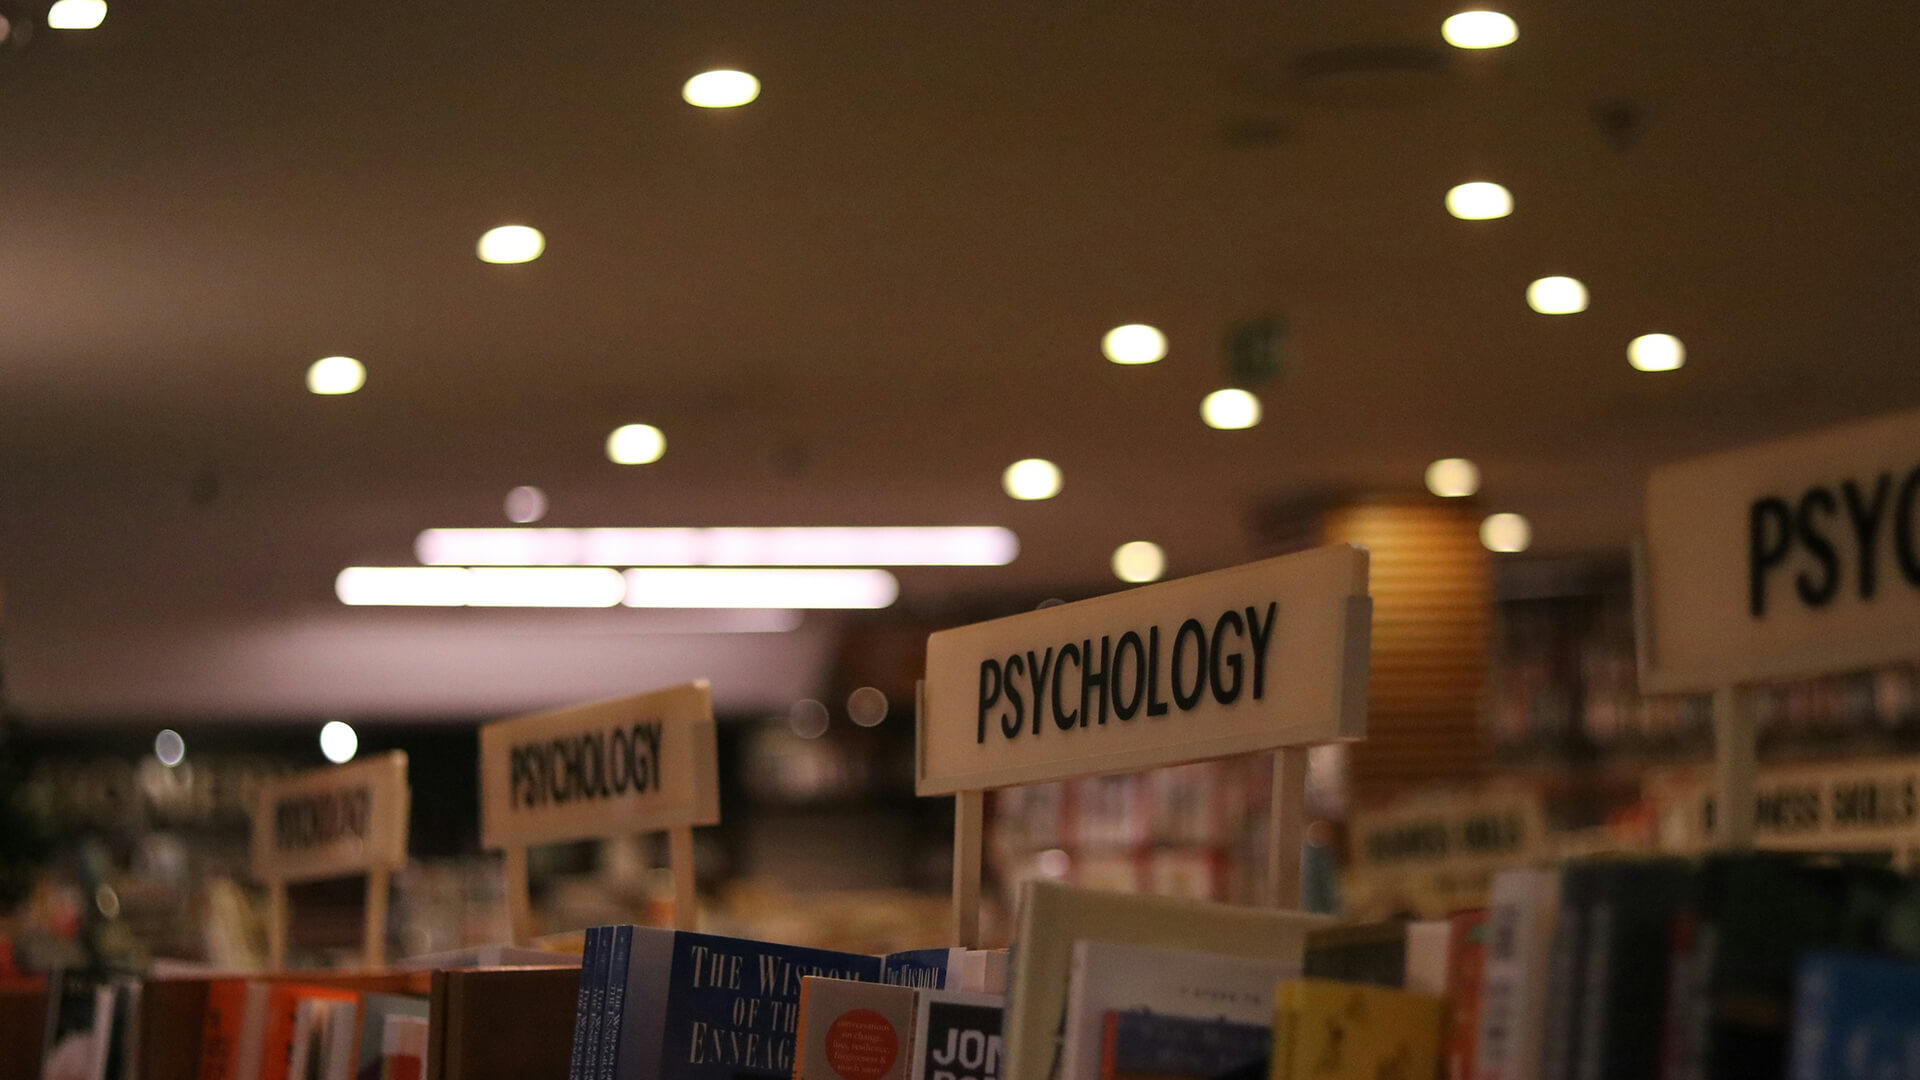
[
  {"x": 925, "y": 969},
  {"x": 1374, "y": 952},
  {"x": 591, "y": 969},
  {"x": 705, "y": 1007},
  {"x": 852, "y": 1030},
  {"x": 1622, "y": 993},
  {"x": 1466, "y": 969},
  {"x": 341, "y": 1053},
  {"x": 1326, "y": 1030},
  {"x": 956, "y": 1035},
  {"x": 1054, "y": 916},
  {"x": 504, "y": 1023},
  {"x": 1110, "y": 979},
  {"x": 233, "y": 1007},
  {"x": 375, "y": 1009},
  {"x": 1139, "y": 1044},
  {"x": 609, "y": 1001},
  {"x": 1856, "y": 1018},
  {"x": 1522, "y": 908},
  {"x": 309, "y": 1029},
  {"x": 1429, "y": 948},
  {"x": 403, "y": 1047},
  {"x": 277, "y": 1046},
  {"x": 1566, "y": 971}
]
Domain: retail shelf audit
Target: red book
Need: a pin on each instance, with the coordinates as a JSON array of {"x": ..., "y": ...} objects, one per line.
[
  {"x": 1466, "y": 967},
  {"x": 283, "y": 1013}
]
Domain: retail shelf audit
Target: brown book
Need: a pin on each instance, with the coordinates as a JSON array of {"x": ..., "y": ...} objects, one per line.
[
  {"x": 504, "y": 1023},
  {"x": 23, "y": 1018}
]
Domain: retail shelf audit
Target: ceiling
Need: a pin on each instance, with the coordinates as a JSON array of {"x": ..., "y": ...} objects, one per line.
[{"x": 858, "y": 299}]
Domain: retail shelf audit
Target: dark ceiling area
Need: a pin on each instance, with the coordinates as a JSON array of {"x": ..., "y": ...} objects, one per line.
[{"x": 857, "y": 300}]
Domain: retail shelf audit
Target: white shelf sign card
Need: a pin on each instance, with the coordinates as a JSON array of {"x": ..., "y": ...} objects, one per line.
[
  {"x": 1869, "y": 805},
  {"x": 1408, "y": 855},
  {"x": 636, "y": 764},
  {"x": 1267, "y": 656},
  {"x": 329, "y": 823},
  {"x": 1793, "y": 559}
]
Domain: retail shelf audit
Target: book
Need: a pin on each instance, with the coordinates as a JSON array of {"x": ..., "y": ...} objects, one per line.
[
  {"x": 375, "y": 1010},
  {"x": 236, "y": 1012},
  {"x": 926, "y": 969},
  {"x": 278, "y": 1037},
  {"x": 1429, "y": 949},
  {"x": 852, "y": 1030},
  {"x": 1325, "y": 1030},
  {"x": 340, "y": 1055},
  {"x": 1856, "y": 1018},
  {"x": 1566, "y": 964},
  {"x": 704, "y": 1007},
  {"x": 608, "y": 1002},
  {"x": 1374, "y": 952},
  {"x": 403, "y": 1047},
  {"x": 309, "y": 1030},
  {"x": 1621, "y": 996},
  {"x": 592, "y": 969},
  {"x": 1110, "y": 979},
  {"x": 1749, "y": 919},
  {"x": 1466, "y": 968},
  {"x": 957, "y": 1035},
  {"x": 1139, "y": 1044},
  {"x": 500, "y": 1023},
  {"x": 1523, "y": 907},
  {"x": 78, "y": 1026},
  {"x": 1053, "y": 916}
]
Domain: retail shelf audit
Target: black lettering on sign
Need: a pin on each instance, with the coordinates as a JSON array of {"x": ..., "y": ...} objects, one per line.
[
  {"x": 1401, "y": 843},
  {"x": 588, "y": 766},
  {"x": 305, "y": 821},
  {"x": 1222, "y": 666},
  {"x": 1831, "y": 533}
]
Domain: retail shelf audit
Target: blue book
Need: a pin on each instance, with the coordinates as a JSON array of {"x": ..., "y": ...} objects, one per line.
[
  {"x": 619, "y": 956},
  {"x": 1144, "y": 1044},
  {"x": 705, "y": 1007},
  {"x": 1856, "y": 1018},
  {"x": 576, "y": 1062},
  {"x": 923, "y": 969}
]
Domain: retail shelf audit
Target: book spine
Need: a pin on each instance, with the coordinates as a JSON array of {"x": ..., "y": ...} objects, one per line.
[
  {"x": 597, "y": 1004},
  {"x": 583, "y": 1004},
  {"x": 613, "y": 1008},
  {"x": 1559, "y": 1019},
  {"x": 1592, "y": 1039}
]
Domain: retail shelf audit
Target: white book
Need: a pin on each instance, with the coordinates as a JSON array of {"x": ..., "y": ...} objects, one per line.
[
  {"x": 340, "y": 1056},
  {"x": 1523, "y": 910},
  {"x": 307, "y": 1021},
  {"x": 1429, "y": 942},
  {"x": 404, "y": 1037},
  {"x": 1109, "y": 978},
  {"x": 102, "y": 1029}
]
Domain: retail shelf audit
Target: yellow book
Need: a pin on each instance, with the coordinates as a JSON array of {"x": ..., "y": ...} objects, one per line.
[{"x": 1326, "y": 1030}]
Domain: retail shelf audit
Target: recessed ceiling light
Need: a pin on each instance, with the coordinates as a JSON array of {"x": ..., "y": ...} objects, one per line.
[
  {"x": 1480, "y": 200},
  {"x": 1656, "y": 352},
  {"x": 1134, "y": 343},
  {"x": 169, "y": 747},
  {"x": 526, "y": 504},
  {"x": 1231, "y": 409},
  {"x": 636, "y": 444},
  {"x": 1506, "y": 533},
  {"x": 1453, "y": 478},
  {"x": 1032, "y": 478},
  {"x": 1557, "y": 296},
  {"x": 336, "y": 375},
  {"x": 76, "y": 14},
  {"x": 338, "y": 741},
  {"x": 1479, "y": 30},
  {"x": 909, "y": 545},
  {"x": 511, "y": 244},
  {"x": 722, "y": 89},
  {"x": 1138, "y": 561}
]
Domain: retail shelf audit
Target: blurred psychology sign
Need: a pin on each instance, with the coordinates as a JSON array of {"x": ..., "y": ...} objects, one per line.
[
  {"x": 1797, "y": 558},
  {"x": 333, "y": 822},
  {"x": 633, "y": 764}
]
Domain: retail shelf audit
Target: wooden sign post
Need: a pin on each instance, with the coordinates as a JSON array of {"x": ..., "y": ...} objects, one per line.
[
  {"x": 1270, "y": 656},
  {"x": 1789, "y": 560},
  {"x": 329, "y": 823},
  {"x": 615, "y": 768}
]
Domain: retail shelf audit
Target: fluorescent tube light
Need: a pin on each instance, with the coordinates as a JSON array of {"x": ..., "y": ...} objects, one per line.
[
  {"x": 963, "y": 545},
  {"x": 728, "y": 588},
  {"x": 448, "y": 586}
]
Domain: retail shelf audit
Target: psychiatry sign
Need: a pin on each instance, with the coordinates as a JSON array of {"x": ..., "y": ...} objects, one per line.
[
  {"x": 1270, "y": 654},
  {"x": 633, "y": 764},
  {"x": 333, "y": 822},
  {"x": 1796, "y": 558}
]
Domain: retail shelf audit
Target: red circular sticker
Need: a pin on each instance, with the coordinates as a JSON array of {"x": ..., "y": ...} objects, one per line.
[{"x": 862, "y": 1045}]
